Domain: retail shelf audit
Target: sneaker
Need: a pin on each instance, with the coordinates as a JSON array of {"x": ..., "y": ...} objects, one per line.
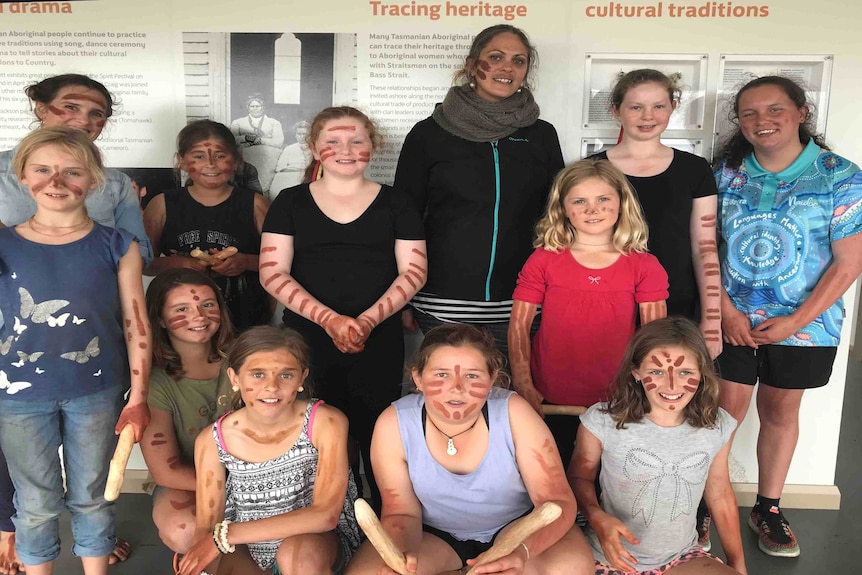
[
  {"x": 703, "y": 522},
  {"x": 775, "y": 536}
]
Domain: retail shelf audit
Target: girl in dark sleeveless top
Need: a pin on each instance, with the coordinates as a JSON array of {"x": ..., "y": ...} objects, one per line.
[{"x": 212, "y": 214}]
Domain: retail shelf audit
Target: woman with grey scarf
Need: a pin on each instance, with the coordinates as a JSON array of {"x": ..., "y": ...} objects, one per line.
[{"x": 480, "y": 169}]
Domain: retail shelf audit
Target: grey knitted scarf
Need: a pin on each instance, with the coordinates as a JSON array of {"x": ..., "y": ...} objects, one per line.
[{"x": 468, "y": 116}]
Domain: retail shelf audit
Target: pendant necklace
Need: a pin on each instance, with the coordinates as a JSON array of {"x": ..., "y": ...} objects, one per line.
[{"x": 450, "y": 447}]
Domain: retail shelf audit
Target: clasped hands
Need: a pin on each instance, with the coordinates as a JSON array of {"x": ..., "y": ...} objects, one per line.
[{"x": 347, "y": 333}]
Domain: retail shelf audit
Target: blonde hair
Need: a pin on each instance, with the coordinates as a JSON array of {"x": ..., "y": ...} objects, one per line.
[
  {"x": 73, "y": 142},
  {"x": 554, "y": 232}
]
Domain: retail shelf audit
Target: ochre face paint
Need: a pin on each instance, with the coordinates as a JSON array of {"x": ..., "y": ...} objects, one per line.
[
  {"x": 419, "y": 253},
  {"x": 267, "y": 264},
  {"x": 346, "y": 128},
  {"x": 402, "y": 292},
  {"x": 59, "y": 112},
  {"x": 302, "y": 305},
  {"x": 268, "y": 249},
  {"x": 365, "y": 157},
  {"x": 326, "y": 153},
  {"x": 157, "y": 442},
  {"x": 481, "y": 68},
  {"x": 94, "y": 99},
  {"x": 292, "y": 295},
  {"x": 380, "y": 312},
  {"x": 656, "y": 361},
  {"x": 692, "y": 385},
  {"x": 708, "y": 221},
  {"x": 410, "y": 280},
  {"x": 679, "y": 361},
  {"x": 178, "y": 322},
  {"x": 442, "y": 409}
]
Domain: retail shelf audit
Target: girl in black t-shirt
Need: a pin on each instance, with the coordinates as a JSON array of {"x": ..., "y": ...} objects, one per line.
[
  {"x": 678, "y": 195},
  {"x": 344, "y": 254}
]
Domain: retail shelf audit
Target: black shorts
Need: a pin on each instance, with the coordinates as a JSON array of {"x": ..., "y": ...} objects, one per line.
[
  {"x": 782, "y": 366},
  {"x": 468, "y": 549}
]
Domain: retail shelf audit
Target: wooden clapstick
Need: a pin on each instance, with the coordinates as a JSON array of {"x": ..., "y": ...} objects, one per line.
[
  {"x": 212, "y": 259},
  {"x": 549, "y": 409},
  {"x": 542, "y": 516},
  {"x": 117, "y": 471},
  {"x": 367, "y": 519}
]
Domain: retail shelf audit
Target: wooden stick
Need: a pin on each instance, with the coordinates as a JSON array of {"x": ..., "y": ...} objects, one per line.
[
  {"x": 118, "y": 463},
  {"x": 212, "y": 259},
  {"x": 540, "y": 517},
  {"x": 367, "y": 519},
  {"x": 226, "y": 253},
  {"x": 549, "y": 409}
]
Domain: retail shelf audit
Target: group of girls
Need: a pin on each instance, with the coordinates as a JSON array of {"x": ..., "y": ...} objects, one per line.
[{"x": 344, "y": 255}]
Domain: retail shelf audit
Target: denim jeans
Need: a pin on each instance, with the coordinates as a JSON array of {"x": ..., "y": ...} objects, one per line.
[{"x": 31, "y": 433}]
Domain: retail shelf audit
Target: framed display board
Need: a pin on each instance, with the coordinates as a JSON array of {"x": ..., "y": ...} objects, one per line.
[
  {"x": 602, "y": 71},
  {"x": 590, "y": 146},
  {"x": 812, "y": 72}
]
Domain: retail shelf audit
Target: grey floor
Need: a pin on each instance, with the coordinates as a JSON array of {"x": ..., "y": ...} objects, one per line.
[{"x": 829, "y": 539}]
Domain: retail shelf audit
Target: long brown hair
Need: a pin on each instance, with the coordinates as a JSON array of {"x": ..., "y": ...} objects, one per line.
[
  {"x": 629, "y": 403},
  {"x": 164, "y": 354}
]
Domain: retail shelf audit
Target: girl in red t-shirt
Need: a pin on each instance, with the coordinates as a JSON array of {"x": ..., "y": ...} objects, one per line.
[{"x": 592, "y": 275}]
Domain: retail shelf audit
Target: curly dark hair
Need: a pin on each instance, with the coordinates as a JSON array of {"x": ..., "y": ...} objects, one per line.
[{"x": 734, "y": 148}]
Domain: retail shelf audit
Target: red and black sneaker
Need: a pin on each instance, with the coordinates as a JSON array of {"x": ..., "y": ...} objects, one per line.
[{"x": 775, "y": 536}]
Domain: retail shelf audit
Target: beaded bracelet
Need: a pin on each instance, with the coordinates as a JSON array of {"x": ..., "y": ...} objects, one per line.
[{"x": 220, "y": 537}]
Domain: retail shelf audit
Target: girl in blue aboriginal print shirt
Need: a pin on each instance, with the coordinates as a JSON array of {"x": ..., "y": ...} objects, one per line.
[{"x": 790, "y": 213}]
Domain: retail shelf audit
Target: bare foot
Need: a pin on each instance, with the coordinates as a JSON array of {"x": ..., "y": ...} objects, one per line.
[
  {"x": 121, "y": 552},
  {"x": 9, "y": 563}
]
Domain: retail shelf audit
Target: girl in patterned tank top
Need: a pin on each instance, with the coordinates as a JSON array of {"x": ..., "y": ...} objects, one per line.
[{"x": 258, "y": 492}]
